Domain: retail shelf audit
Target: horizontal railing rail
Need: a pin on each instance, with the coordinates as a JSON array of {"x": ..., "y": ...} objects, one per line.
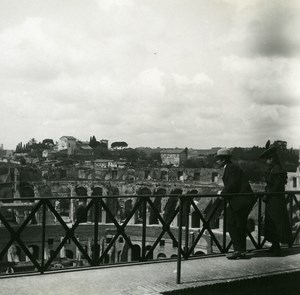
[{"x": 100, "y": 217}]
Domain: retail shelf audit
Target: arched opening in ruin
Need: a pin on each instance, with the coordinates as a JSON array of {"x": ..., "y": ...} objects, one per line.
[
  {"x": 187, "y": 206},
  {"x": 171, "y": 204},
  {"x": 148, "y": 252},
  {"x": 136, "y": 253},
  {"x": 128, "y": 207},
  {"x": 64, "y": 202},
  {"x": 195, "y": 219},
  {"x": 161, "y": 256},
  {"x": 139, "y": 212},
  {"x": 96, "y": 191},
  {"x": 199, "y": 253},
  {"x": 26, "y": 191},
  {"x": 153, "y": 219},
  {"x": 34, "y": 250},
  {"x": 81, "y": 213},
  {"x": 81, "y": 191},
  {"x": 113, "y": 204},
  {"x": 69, "y": 254}
]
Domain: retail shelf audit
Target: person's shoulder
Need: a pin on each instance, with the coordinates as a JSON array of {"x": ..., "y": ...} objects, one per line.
[{"x": 233, "y": 166}]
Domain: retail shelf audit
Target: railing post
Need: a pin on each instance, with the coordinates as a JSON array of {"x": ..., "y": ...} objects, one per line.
[
  {"x": 290, "y": 196},
  {"x": 224, "y": 224},
  {"x": 43, "y": 236},
  {"x": 259, "y": 220},
  {"x": 179, "y": 242},
  {"x": 96, "y": 221},
  {"x": 144, "y": 228},
  {"x": 187, "y": 210}
]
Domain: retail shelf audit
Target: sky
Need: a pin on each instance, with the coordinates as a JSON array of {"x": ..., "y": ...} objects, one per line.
[{"x": 153, "y": 73}]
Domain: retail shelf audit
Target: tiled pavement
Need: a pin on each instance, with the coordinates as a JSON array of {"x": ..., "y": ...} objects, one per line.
[{"x": 152, "y": 279}]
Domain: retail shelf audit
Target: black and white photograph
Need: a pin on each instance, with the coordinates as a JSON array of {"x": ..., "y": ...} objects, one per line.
[{"x": 150, "y": 147}]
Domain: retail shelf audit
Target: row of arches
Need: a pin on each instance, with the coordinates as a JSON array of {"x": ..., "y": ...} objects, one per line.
[
  {"x": 119, "y": 207},
  {"x": 14, "y": 254}
]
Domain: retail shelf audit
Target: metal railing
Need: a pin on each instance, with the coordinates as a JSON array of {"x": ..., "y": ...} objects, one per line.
[{"x": 176, "y": 224}]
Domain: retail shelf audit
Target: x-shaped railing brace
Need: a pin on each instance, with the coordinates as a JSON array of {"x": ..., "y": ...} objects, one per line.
[
  {"x": 298, "y": 206},
  {"x": 15, "y": 235},
  {"x": 120, "y": 228},
  {"x": 206, "y": 227},
  {"x": 165, "y": 227},
  {"x": 69, "y": 235}
]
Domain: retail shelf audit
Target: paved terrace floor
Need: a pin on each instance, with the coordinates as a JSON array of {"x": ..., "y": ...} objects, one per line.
[{"x": 156, "y": 278}]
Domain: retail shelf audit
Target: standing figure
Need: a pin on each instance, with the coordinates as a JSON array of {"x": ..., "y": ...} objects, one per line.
[
  {"x": 239, "y": 205},
  {"x": 276, "y": 226}
]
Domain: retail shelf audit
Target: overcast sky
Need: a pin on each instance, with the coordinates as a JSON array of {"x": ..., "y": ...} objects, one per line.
[{"x": 168, "y": 73}]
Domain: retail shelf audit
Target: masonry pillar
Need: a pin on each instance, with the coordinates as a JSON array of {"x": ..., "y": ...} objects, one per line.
[
  {"x": 78, "y": 253},
  {"x": 175, "y": 221},
  {"x": 62, "y": 252},
  {"x": 89, "y": 246},
  {"x": 147, "y": 215},
  {"x": 72, "y": 204},
  {"x": 103, "y": 212},
  {"x": 89, "y": 193}
]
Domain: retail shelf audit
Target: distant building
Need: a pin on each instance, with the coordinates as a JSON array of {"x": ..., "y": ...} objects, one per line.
[
  {"x": 104, "y": 142},
  {"x": 102, "y": 163},
  {"x": 67, "y": 143},
  {"x": 174, "y": 157},
  {"x": 293, "y": 181},
  {"x": 82, "y": 149},
  {"x": 5, "y": 153}
]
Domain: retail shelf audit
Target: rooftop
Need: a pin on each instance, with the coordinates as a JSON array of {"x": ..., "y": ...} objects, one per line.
[{"x": 172, "y": 151}]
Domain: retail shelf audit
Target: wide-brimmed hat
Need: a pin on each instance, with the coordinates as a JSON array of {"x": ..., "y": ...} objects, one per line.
[
  {"x": 268, "y": 153},
  {"x": 223, "y": 153}
]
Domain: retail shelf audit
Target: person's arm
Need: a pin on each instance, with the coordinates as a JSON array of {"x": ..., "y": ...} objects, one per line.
[
  {"x": 232, "y": 181},
  {"x": 278, "y": 182}
]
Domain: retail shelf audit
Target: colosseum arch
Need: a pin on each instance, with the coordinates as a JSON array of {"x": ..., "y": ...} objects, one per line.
[
  {"x": 65, "y": 203},
  {"x": 26, "y": 191},
  {"x": 139, "y": 212},
  {"x": 171, "y": 204},
  {"x": 96, "y": 191},
  {"x": 128, "y": 207},
  {"x": 113, "y": 204},
  {"x": 135, "y": 253},
  {"x": 187, "y": 207},
  {"x": 153, "y": 219},
  {"x": 80, "y": 210},
  {"x": 199, "y": 253},
  {"x": 35, "y": 251},
  {"x": 148, "y": 247},
  {"x": 81, "y": 191},
  {"x": 69, "y": 254},
  {"x": 161, "y": 256}
]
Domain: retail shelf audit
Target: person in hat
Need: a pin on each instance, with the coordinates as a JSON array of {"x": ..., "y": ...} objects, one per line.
[
  {"x": 276, "y": 226},
  {"x": 239, "y": 205}
]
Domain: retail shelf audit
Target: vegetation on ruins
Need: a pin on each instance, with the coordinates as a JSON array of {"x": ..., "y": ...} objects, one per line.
[{"x": 147, "y": 157}]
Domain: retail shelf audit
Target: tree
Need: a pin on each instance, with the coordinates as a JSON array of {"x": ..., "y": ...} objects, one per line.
[
  {"x": 119, "y": 144},
  {"x": 93, "y": 142},
  {"x": 47, "y": 142}
]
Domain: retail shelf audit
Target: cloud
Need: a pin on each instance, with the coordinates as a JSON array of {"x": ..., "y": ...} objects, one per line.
[
  {"x": 152, "y": 73},
  {"x": 266, "y": 28},
  {"x": 264, "y": 80}
]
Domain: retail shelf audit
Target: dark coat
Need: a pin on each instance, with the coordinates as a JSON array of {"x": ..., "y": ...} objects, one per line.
[
  {"x": 235, "y": 181},
  {"x": 277, "y": 225},
  {"x": 240, "y": 205}
]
